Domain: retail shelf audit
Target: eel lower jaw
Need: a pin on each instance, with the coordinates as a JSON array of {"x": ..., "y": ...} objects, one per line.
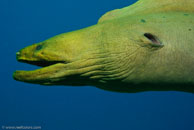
[{"x": 49, "y": 71}]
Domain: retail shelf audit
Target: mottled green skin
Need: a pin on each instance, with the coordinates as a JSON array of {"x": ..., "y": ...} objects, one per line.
[{"x": 115, "y": 55}]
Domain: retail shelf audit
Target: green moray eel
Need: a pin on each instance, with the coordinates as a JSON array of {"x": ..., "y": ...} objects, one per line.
[{"x": 148, "y": 46}]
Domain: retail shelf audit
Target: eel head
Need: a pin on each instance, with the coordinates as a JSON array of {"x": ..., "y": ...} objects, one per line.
[{"x": 63, "y": 59}]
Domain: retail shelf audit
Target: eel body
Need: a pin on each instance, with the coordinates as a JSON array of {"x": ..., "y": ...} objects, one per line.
[{"x": 147, "y": 46}]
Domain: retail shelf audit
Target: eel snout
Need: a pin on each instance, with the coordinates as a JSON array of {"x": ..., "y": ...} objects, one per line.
[{"x": 49, "y": 71}]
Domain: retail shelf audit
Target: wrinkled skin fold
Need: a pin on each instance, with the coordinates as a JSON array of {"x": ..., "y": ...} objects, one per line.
[{"x": 147, "y": 46}]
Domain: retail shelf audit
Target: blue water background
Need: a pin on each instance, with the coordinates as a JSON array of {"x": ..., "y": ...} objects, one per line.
[{"x": 24, "y": 22}]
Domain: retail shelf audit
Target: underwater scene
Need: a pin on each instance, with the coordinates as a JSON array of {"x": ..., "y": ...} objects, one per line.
[{"x": 97, "y": 65}]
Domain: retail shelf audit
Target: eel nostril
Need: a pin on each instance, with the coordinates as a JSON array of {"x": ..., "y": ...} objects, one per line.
[{"x": 18, "y": 53}]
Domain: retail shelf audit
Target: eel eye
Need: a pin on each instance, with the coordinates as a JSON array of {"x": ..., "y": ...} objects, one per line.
[
  {"x": 39, "y": 47},
  {"x": 154, "y": 40}
]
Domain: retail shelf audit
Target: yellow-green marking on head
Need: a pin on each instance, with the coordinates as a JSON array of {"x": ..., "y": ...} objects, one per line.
[{"x": 147, "y": 46}]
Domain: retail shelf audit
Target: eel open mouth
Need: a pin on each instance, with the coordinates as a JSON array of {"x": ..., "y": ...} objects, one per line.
[
  {"x": 41, "y": 63},
  {"x": 50, "y": 71}
]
